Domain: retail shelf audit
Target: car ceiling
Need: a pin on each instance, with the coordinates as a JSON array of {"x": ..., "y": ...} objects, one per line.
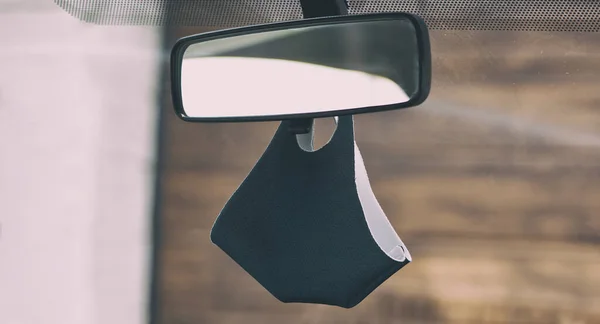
[{"x": 509, "y": 15}]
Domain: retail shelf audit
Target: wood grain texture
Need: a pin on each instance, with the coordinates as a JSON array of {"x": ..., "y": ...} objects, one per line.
[{"x": 494, "y": 185}]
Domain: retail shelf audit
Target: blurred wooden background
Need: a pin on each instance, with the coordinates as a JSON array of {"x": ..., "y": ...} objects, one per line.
[{"x": 493, "y": 184}]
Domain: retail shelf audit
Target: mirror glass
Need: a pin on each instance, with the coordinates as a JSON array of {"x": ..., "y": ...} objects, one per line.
[{"x": 313, "y": 69}]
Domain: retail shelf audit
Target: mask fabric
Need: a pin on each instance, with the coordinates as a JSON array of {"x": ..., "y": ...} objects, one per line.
[{"x": 307, "y": 226}]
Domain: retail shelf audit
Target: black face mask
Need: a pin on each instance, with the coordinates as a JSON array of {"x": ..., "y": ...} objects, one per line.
[{"x": 307, "y": 226}]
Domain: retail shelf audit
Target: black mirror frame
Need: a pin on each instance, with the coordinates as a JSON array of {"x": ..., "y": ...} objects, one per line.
[{"x": 422, "y": 42}]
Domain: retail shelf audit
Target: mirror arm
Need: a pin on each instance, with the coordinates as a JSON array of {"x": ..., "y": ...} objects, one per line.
[
  {"x": 314, "y": 9},
  {"x": 301, "y": 126}
]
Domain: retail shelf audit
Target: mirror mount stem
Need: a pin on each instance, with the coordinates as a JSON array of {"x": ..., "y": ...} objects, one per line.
[
  {"x": 323, "y": 8},
  {"x": 315, "y": 9}
]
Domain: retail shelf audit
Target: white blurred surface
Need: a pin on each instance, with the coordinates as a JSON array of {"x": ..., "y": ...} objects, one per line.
[
  {"x": 77, "y": 116},
  {"x": 279, "y": 81}
]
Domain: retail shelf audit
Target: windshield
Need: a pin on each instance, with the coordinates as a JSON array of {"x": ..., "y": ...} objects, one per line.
[
  {"x": 107, "y": 198},
  {"x": 493, "y": 180}
]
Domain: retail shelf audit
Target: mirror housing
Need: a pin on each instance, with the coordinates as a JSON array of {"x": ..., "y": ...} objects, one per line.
[{"x": 310, "y": 68}]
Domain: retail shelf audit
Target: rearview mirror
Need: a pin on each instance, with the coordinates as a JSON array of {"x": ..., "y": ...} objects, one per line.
[{"x": 309, "y": 68}]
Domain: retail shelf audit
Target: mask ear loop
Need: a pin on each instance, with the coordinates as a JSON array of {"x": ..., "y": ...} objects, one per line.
[{"x": 307, "y": 141}]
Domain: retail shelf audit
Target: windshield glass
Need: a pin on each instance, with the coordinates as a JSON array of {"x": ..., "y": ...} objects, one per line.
[
  {"x": 493, "y": 181},
  {"x": 107, "y": 198}
]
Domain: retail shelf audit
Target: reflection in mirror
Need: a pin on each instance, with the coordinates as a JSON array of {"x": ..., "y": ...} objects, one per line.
[
  {"x": 312, "y": 69},
  {"x": 263, "y": 87}
]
